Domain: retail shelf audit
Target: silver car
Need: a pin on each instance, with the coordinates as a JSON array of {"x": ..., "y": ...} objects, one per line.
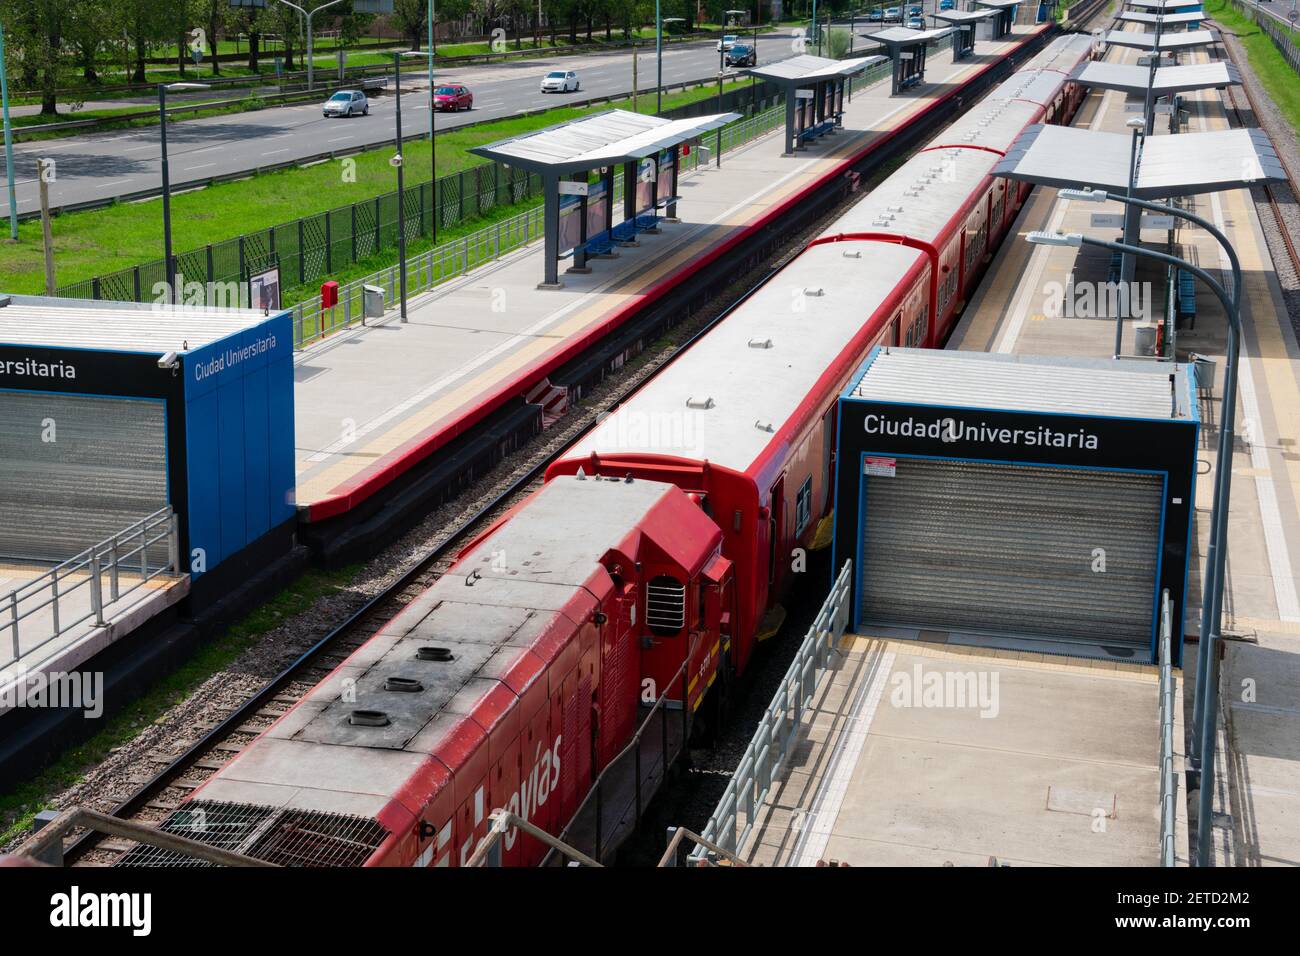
[
  {"x": 560, "y": 81},
  {"x": 347, "y": 103}
]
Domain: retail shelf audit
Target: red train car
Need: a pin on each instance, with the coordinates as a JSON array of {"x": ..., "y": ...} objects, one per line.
[{"x": 509, "y": 683}]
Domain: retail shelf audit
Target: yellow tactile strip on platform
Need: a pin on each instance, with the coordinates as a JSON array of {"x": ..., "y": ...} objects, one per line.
[{"x": 1027, "y": 660}]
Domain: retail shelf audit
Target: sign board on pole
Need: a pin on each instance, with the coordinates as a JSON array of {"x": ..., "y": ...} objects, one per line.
[
  {"x": 264, "y": 289},
  {"x": 574, "y": 189},
  {"x": 1107, "y": 220},
  {"x": 803, "y": 94},
  {"x": 1157, "y": 222}
]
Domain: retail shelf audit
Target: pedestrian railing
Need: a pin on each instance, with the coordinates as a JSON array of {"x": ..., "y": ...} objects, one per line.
[
  {"x": 81, "y": 588},
  {"x": 781, "y": 722},
  {"x": 1168, "y": 779}
]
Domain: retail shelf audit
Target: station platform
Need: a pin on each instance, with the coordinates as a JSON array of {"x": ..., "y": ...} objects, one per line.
[
  {"x": 1257, "y": 800},
  {"x": 40, "y": 650},
  {"x": 373, "y": 402},
  {"x": 886, "y": 772}
]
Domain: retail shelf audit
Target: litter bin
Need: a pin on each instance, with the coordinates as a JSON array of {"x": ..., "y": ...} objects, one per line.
[{"x": 374, "y": 301}]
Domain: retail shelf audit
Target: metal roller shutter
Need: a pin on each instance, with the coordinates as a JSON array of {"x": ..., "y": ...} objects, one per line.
[
  {"x": 106, "y": 469},
  {"x": 956, "y": 545}
]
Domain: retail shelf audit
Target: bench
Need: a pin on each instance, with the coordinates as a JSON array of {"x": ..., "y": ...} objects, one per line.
[
  {"x": 819, "y": 129},
  {"x": 1187, "y": 297}
]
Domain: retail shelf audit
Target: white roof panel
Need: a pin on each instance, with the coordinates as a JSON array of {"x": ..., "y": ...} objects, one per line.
[
  {"x": 1182, "y": 165},
  {"x": 1168, "y": 79},
  {"x": 738, "y": 389},
  {"x": 902, "y": 36},
  {"x": 600, "y": 140},
  {"x": 810, "y": 69},
  {"x": 118, "y": 326},
  {"x": 1030, "y": 383},
  {"x": 1167, "y": 41},
  {"x": 1000, "y": 4},
  {"x": 1167, "y": 19},
  {"x": 1163, "y": 4},
  {"x": 963, "y": 16}
]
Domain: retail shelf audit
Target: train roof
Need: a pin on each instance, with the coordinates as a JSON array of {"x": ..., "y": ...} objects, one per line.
[
  {"x": 922, "y": 197},
  {"x": 495, "y": 612},
  {"x": 1062, "y": 54},
  {"x": 723, "y": 400},
  {"x": 1036, "y": 86},
  {"x": 993, "y": 124}
]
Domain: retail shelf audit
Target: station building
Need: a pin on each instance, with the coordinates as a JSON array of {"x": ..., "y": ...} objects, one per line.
[{"x": 1017, "y": 502}]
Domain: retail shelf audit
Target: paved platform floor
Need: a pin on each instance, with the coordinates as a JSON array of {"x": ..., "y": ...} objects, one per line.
[
  {"x": 369, "y": 398},
  {"x": 1258, "y": 788},
  {"x": 890, "y": 771},
  {"x": 40, "y": 650}
]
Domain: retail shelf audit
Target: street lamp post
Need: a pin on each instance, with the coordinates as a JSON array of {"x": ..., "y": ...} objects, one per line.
[
  {"x": 9, "y": 140},
  {"x": 1127, "y": 264},
  {"x": 401, "y": 195},
  {"x": 307, "y": 17},
  {"x": 433, "y": 143},
  {"x": 1217, "y": 551},
  {"x": 169, "y": 263},
  {"x": 1206, "y": 684},
  {"x": 659, "y": 61}
]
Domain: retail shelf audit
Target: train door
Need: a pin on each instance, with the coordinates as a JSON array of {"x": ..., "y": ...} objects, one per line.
[{"x": 776, "y": 536}]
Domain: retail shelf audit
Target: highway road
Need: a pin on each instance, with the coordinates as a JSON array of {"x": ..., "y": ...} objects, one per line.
[{"x": 105, "y": 165}]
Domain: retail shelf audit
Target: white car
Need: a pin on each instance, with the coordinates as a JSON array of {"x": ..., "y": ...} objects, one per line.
[
  {"x": 728, "y": 41},
  {"x": 347, "y": 103},
  {"x": 560, "y": 81}
]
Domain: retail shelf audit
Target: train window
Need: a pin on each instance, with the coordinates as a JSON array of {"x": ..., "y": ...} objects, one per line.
[
  {"x": 803, "y": 506},
  {"x": 665, "y": 605}
]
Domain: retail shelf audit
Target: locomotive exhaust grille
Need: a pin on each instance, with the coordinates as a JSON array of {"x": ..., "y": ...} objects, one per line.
[
  {"x": 665, "y": 605},
  {"x": 285, "y": 837}
]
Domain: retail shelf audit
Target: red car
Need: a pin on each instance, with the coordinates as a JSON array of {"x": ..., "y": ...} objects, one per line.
[{"x": 453, "y": 98}]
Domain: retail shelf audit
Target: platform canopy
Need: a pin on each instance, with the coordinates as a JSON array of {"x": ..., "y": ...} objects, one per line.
[
  {"x": 1168, "y": 79},
  {"x": 1165, "y": 5},
  {"x": 902, "y": 37},
  {"x": 1165, "y": 42},
  {"x": 1184, "y": 165},
  {"x": 963, "y": 18},
  {"x": 604, "y": 139},
  {"x": 805, "y": 70},
  {"x": 1164, "y": 19}
]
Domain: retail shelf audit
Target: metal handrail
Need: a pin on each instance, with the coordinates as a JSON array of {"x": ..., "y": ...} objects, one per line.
[
  {"x": 767, "y": 750},
  {"x": 681, "y": 833},
  {"x": 455, "y": 258},
  {"x": 1168, "y": 779},
  {"x": 99, "y": 568}
]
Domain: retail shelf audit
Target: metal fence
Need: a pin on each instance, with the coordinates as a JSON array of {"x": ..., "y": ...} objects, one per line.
[
  {"x": 1277, "y": 31},
  {"x": 141, "y": 552},
  {"x": 1168, "y": 780},
  {"x": 313, "y": 247},
  {"x": 762, "y": 760}
]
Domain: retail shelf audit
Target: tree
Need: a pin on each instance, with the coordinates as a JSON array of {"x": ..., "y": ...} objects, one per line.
[
  {"x": 411, "y": 18},
  {"x": 37, "y": 33}
]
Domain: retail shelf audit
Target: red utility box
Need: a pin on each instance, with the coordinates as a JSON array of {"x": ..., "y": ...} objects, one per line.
[{"x": 329, "y": 294}]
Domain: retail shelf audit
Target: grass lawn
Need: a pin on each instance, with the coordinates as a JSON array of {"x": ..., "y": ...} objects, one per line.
[
  {"x": 20, "y": 805},
  {"x": 92, "y": 243},
  {"x": 1272, "y": 71}
]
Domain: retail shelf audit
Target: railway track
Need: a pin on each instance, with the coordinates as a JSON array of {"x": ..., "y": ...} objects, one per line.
[{"x": 1269, "y": 190}]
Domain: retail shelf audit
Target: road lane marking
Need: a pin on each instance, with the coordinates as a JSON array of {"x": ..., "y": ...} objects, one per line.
[{"x": 116, "y": 182}]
